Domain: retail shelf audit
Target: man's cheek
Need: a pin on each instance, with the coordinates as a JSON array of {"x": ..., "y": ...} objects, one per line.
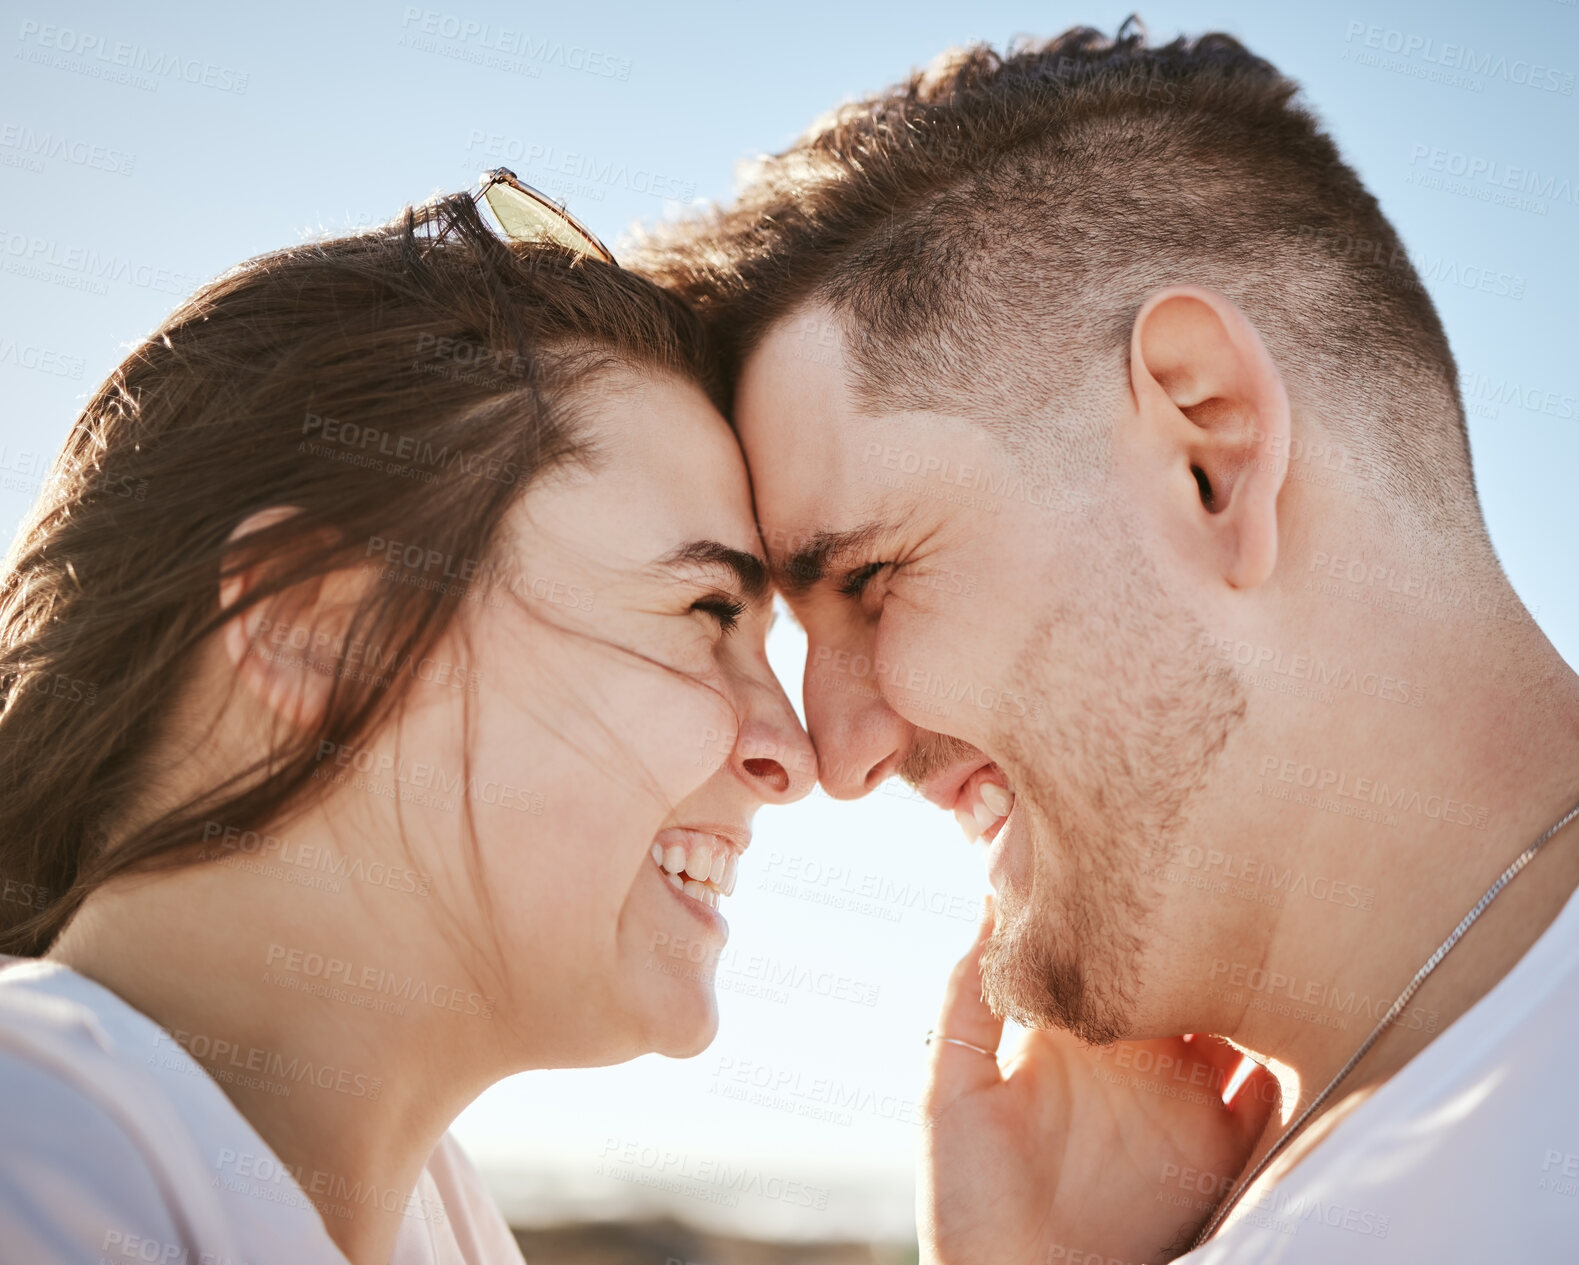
[
  {"x": 907, "y": 672},
  {"x": 938, "y": 671}
]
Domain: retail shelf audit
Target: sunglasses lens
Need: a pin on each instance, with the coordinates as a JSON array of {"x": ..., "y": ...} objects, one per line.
[{"x": 526, "y": 219}]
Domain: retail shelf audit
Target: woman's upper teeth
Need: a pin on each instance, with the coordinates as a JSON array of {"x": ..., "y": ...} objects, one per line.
[{"x": 696, "y": 858}]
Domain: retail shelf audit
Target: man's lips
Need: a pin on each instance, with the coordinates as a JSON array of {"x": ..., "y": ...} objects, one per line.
[
  {"x": 977, "y": 793},
  {"x": 943, "y": 788}
]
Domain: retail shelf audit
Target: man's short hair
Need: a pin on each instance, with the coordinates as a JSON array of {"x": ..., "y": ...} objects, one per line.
[{"x": 987, "y": 229}]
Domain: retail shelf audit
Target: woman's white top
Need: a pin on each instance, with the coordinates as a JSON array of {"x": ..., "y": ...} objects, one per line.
[{"x": 116, "y": 1146}]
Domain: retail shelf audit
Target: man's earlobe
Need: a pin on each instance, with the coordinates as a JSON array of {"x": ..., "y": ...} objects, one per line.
[
  {"x": 1213, "y": 415},
  {"x": 280, "y": 645}
]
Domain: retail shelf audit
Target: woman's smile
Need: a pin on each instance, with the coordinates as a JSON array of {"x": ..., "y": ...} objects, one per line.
[{"x": 698, "y": 864}]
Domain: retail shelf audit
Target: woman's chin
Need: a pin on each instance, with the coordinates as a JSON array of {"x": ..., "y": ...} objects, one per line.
[{"x": 686, "y": 1029}]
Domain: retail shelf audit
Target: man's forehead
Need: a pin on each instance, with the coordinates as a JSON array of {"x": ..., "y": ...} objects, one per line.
[
  {"x": 812, "y": 324},
  {"x": 797, "y": 427},
  {"x": 794, "y": 372}
]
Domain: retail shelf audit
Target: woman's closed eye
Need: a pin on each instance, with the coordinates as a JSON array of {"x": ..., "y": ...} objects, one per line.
[{"x": 723, "y": 608}]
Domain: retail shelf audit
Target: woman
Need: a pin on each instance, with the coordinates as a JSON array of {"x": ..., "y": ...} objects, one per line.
[{"x": 386, "y": 708}]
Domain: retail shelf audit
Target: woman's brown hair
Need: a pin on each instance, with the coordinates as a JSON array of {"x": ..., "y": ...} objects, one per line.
[{"x": 398, "y": 387}]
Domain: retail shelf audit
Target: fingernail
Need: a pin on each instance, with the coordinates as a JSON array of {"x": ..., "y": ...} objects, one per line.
[{"x": 1237, "y": 1081}]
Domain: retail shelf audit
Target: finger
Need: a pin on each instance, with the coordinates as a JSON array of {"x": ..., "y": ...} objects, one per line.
[{"x": 957, "y": 1070}]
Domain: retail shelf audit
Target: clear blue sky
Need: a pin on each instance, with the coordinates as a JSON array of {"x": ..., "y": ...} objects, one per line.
[{"x": 145, "y": 149}]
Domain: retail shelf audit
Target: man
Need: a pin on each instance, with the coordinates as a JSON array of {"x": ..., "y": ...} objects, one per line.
[{"x": 1110, "y": 452}]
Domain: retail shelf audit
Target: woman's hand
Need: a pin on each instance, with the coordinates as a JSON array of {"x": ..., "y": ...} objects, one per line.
[{"x": 1118, "y": 1151}]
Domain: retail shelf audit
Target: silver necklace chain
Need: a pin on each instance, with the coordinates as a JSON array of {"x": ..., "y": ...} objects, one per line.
[{"x": 1393, "y": 1011}]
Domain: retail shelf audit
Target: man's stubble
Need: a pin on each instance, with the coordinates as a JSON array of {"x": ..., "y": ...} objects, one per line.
[{"x": 1132, "y": 718}]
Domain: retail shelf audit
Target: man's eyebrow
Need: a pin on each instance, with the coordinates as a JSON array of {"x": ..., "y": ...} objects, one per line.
[
  {"x": 748, "y": 570},
  {"x": 810, "y": 564}
]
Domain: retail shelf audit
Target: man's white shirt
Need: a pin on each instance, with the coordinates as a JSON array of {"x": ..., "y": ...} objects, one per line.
[{"x": 1469, "y": 1153}]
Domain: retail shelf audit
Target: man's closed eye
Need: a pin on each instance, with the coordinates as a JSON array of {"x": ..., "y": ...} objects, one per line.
[{"x": 854, "y": 584}]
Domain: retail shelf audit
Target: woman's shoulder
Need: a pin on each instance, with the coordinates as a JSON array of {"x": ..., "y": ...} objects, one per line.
[
  {"x": 74, "y": 1183},
  {"x": 106, "y": 1054},
  {"x": 78, "y": 1177},
  {"x": 114, "y": 1148}
]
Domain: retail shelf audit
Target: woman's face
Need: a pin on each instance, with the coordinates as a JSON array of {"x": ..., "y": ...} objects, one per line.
[{"x": 625, "y": 727}]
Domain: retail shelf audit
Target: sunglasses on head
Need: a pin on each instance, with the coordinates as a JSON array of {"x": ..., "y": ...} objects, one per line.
[{"x": 529, "y": 215}]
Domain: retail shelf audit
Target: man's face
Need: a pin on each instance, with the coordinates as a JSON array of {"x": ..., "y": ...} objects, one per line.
[{"x": 1004, "y": 642}]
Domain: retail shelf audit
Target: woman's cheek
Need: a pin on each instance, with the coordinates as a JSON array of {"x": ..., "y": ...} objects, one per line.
[{"x": 695, "y": 736}]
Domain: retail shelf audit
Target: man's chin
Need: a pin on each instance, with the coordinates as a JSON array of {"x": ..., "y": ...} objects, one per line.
[{"x": 1036, "y": 987}]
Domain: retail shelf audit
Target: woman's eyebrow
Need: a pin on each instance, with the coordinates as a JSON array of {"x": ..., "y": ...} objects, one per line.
[{"x": 748, "y": 571}]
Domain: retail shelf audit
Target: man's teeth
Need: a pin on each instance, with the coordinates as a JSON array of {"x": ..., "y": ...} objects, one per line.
[
  {"x": 702, "y": 867},
  {"x": 997, "y": 798},
  {"x": 990, "y": 804}
]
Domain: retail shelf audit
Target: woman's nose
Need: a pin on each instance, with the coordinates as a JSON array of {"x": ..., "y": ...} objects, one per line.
[{"x": 772, "y": 752}]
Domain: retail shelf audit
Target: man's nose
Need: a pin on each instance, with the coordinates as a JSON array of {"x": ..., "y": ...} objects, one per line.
[{"x": 860, "y": 739}]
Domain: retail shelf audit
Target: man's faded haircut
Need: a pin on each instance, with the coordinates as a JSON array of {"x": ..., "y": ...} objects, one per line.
[{"x": 986, "y": 230}]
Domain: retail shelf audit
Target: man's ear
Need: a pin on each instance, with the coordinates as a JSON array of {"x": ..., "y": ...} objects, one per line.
[
  {"x": 285, "y": 647},
  {"x": 1212, "y": 414}
]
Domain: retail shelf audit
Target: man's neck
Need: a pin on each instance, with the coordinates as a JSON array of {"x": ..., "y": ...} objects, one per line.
[
  {"x": 1403, "y": 825},
  {"x": 1418, "y": 814}
]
